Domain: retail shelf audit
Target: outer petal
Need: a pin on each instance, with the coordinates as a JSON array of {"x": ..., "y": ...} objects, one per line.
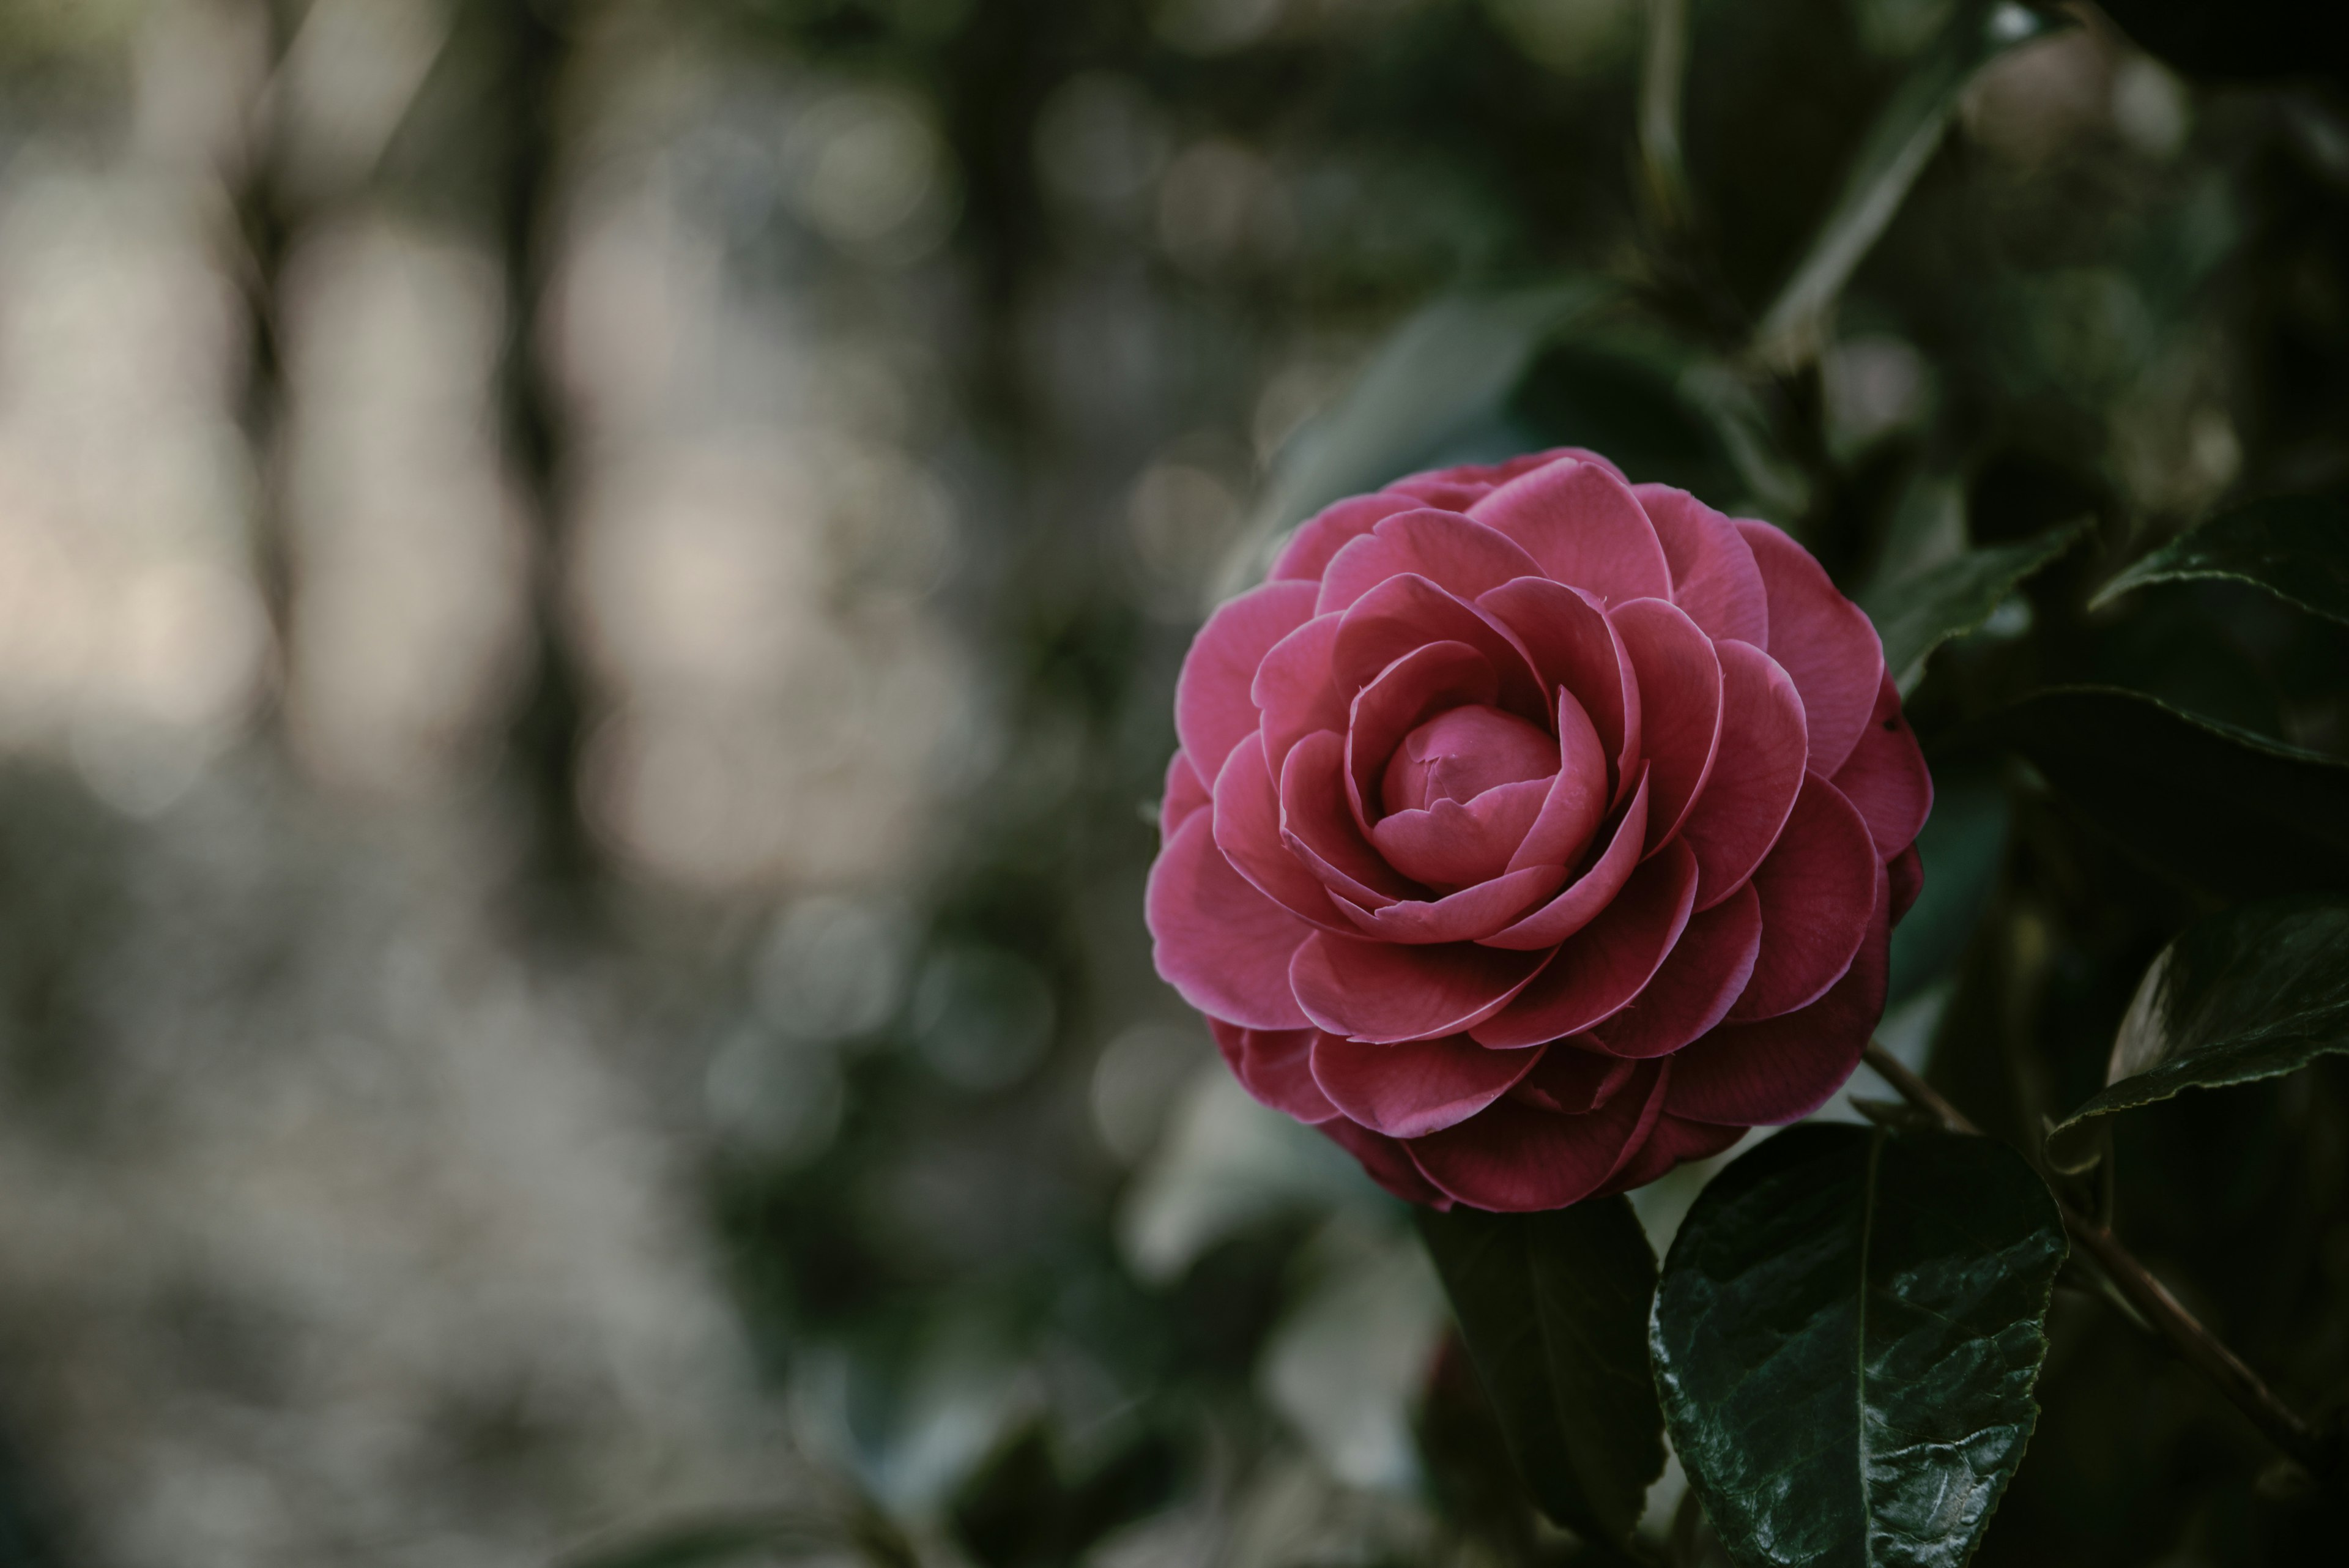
[
  {"x": 1276, "y": 1066},
  {"x": 1461, "y": 917},
  {"x": 1782, "y": 1069},
  {"x": 1818, "y": 887},
  {"x": 1226, "y": 947},
  {"x": 1606, "y": 963},
  {"x": 1673, "y": 1142},
  {"x": 1383, "y": 994},
  {"x": 1247, "y": 817},
  {"x": 1294, "y": 690},
  {"x": 1680, "y": 708},
  {"x": 1590, "y": 893},
  {"x": 1908, "y": 874},
  {"x": 1384, "y": 1161},
  {"x": 1571, "y": 1081},
  {"x": 1484, "y": 478},
  {"x": 1212, "y": 706},
  {"x": 1452, "y": 552},
  {"x": 1513, "y": 1159},
  {"x": 1708, "y": 967},
  {"x": 1824, "y": 641},
  {"x": 1408, "y": 1091},
  {"x": 1759, "y": 773},
  {"x": 1578, "y": 798},
  {"x": 1573, "y": 645},
  {"x": 1585, "y": 527},
  {"x": 1186, "y": 794},
  {"x": 1715, "y": 578},
  {"x": 1318, "y": 826},
  {"x": 1885, "y": 775},
  {"x": 1310, "y": 550},
  {"x": 1408, "y": 612}
]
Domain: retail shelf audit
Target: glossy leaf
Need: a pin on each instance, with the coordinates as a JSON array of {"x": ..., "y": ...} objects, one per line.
[
  {"x": 1554, "y": 1308},
  {"x": 2253, "y": 992},
  {"x": 2230, "y": 811},
  {"x": 2294, "y": 546},
  {"x": 1916, "y": 614},
  {"x": 1846, "y": 1337},
  {"x": 1895, "y": 151},
  {"x": 1440, "y": 373}
]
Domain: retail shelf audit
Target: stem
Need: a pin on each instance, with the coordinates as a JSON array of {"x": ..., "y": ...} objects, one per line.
[{"x": 2282, "y": 1425}]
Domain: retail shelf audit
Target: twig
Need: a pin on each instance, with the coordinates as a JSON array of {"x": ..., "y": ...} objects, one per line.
[{"x": 2283, "y": 1425}]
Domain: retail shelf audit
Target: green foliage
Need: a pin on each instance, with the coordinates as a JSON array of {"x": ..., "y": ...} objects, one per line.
[
  {"x": 1917, "y": 613},
  {"x": 1887, "y": 164},
  {"x": 1554, "y": 1309},
  {"x": 2294, "y": 546},
  {"x": 2254, "y": 992},
  {"x": 1846, "y": 1335},
  {"x": 2226, "y": 810}
]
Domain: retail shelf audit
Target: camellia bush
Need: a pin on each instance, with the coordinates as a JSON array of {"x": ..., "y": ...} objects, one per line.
[{"x": 1544, "y": 820}]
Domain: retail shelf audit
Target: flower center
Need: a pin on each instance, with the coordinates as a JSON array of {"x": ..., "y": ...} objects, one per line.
[{"x": 1460, "y": 754}]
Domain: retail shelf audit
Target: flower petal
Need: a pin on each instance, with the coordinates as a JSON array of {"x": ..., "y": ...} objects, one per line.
[
  {"x": 1671, "y": 1142},
  {"x": 1573, "y": 1079},
  {"x": 1409, "y": 1090},
  {"x": 1318, "y": 539},
  {"x": 1513, "y": 1159},
  {"x": 1451, "y": 551},
  {"x": 1294, "y": 690},
  {"x": 1460, "y": 917},
  {"x": 1484, "y": 478},
  {"x": 1886, "y": 777},
  {"x": 1824, "y": 640},
  {"x": 1212, "y": 706},
  {"x": 1408, "y": 612},
  {"x": 1817, "y": 885},
  {"x": 1431, "y": 676},
  {"x": 1588, "y": 894},
  {"x": 1318, "y": 827},
  {"x": 1247, "y": 817},
  {"x": 1186, "y": 794},
  {"x": 1908, "y": 874},
  {"x": 1576, "y": 799},
  {"x": 1679, "y": 707},
  {"x": 1573, "y": 645},
  {"x": 1715, "y": 578},
  {"x": 1605, "y": 964},
  {"x": 1585, "y": 527},
  {"x": 1382, "y": 995},
  {"x": 1782, "y": 1069},
  {"x": 1226, "y": 947},
  {"x": 1276, "y": 1066},
  {"x": 1384, "y": 1161},
  {"x": 1452, "y": 845},
  {"x": 1757, "y": 775},
  {"x": 1708, "y": 967}
]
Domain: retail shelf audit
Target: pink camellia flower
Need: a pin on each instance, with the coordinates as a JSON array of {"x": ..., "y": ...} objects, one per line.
[{"x": 1533, "y": 831}]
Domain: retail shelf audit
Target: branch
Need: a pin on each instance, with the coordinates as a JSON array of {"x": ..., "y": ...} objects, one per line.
[{"x": 2283, "y": 1425}]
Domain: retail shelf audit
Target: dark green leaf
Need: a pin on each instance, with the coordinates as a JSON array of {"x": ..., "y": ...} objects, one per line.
[
  {"x": 2294, "y": 546},
  {"x": 1846, "y": 1337},
  {"x": 1893, "y": 154},
  {"x": 2233, "y": 812},
  {"x": 1960, "y": 848},
  {"x": 2254, "y": 992},
  {"x": 1918, "y": 613},
  {"x": 1554, "y": 1308},
  {"x": 1447, "y": 368}
]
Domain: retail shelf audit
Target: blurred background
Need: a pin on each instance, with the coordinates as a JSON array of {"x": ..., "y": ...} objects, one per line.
[{"x": 589, "y": 593}]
